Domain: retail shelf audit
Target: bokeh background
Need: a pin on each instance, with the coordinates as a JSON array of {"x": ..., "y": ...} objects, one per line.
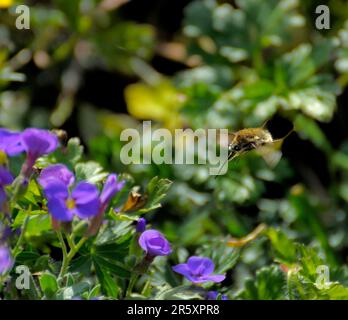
[{"x": 94, "y": 68}]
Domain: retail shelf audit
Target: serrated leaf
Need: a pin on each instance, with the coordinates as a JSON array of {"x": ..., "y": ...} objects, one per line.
[
  {"x": 285, "y": 249},
  {"x": 269, "y": 284},
  {"x": 156, "y": 191},
  {"x": 113, "y": 267},
  {"x": 89, "y": 171},
  {"x": 108, "y": 284}
]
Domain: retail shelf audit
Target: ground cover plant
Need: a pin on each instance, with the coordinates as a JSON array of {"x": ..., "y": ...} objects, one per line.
[{"x": 78, "y": 223}]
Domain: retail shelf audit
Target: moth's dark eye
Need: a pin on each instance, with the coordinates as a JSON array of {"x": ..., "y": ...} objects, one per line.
[{"x": 236, "y": 148}]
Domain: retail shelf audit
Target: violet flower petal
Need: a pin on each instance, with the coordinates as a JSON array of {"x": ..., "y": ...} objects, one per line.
[
  {"x": 59, "y": 210},
  {"x": 6, "y": 261},
  {"x": 11, "y": 142},
  {"x": 200, "y": 265},
  {"x": 38, "y": 142},
  {"x": 56, "y": 172}
]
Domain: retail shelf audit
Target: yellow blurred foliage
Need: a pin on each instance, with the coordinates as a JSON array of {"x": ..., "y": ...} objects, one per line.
[
  {"x": 5, "y": 3},
  {"x": 160, "y": 103}
]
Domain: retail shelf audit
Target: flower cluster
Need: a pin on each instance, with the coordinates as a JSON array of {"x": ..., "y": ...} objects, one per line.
[
  {"x": 64, "y": 200},
  {"x": 197, "y": 269},
  {"x": 67, "y": 198}
]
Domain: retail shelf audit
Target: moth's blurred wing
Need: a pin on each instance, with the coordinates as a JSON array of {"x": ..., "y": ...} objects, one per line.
[
  {"x": 271, "y": 153},
  {"x": 272, "y": 158}
]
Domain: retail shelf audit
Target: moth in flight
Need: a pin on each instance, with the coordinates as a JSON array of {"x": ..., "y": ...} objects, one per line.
[{"x": 258, "y": 139}]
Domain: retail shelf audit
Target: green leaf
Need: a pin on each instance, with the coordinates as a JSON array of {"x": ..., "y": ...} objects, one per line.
[
  {"x": 111, "y": 266},
  {"x": 156, "y": 190},
  {"x": 48, "y": 284},
  {"x": 113, "y": 251},
  {"x": 95, "y": 292},
  {"x": 285, "y": 248},
  {"x": 108, "y": 284},
  {"x": 76, "y": 290},
  {"x": 27, "y": 257},
  {"x": 269, "y": 284},
  {"x": 89, "y": 171},
  {"x": 72, "y": 153},
  {"x": 119, "y": 232}
]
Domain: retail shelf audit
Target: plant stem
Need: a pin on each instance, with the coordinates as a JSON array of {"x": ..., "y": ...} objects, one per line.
[
  {"x": 77, "y": 247},
  {"x": 16, "y": 249},
  {"x": 131, "y": 284},
  {"x": 146, "y": 287},
  {"x": 65, "y": 255},
  {"x": 70, "y": 241}
]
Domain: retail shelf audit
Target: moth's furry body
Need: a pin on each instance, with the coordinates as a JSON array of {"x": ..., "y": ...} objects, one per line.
[{"x": 247, "y": 140}]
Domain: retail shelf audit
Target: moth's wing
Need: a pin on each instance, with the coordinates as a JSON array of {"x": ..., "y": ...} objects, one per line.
[{"x": 271, "y": 152}]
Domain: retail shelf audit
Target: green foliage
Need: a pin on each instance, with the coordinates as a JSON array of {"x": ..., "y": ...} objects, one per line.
[
  {"x": 238, "y": 64},
  {"x": 268, "y": 284}
]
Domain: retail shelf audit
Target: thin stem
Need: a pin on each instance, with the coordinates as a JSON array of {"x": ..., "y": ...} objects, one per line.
[
  {"x": 65, "y": 255},
  {"x": 16, "y": 249},
  {"x": 146, "y": 287},
  {"x": 77, "y": 247},
  {"x": 131, "y": 284},
  {"x": 70, "y": 241}
]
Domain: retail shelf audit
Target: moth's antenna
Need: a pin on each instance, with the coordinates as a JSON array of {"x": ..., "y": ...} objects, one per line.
[
  {"x": 288, "y": 134},
  {"x": 264, "y": 124}
]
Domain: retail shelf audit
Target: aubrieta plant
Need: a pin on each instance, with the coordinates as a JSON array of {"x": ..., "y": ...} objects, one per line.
[
  {"x": 87, "y": 226},
  {"x": 67, "y": 221}
]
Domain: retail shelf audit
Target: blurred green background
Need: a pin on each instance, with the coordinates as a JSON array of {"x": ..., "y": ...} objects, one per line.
[{"x": 94, "y": 68}]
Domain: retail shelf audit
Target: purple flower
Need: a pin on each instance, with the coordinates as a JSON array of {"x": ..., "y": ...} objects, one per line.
[
  {"x": 154, "y": 243},
  {"x": 111, "y": 187},
  {"x": 141, "y": 225},
  {"x": 212, "y": 295},
  {"x": 5, "y": 179},
  {"x": 56, "y": 172},
  {"x": 38, "y": 142},
  {"x": 11, "y": 142},
  {"x": 6, "y": 261},
  {"x": 198, "y": 270},
  {"x": 83, "y": 200}
]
